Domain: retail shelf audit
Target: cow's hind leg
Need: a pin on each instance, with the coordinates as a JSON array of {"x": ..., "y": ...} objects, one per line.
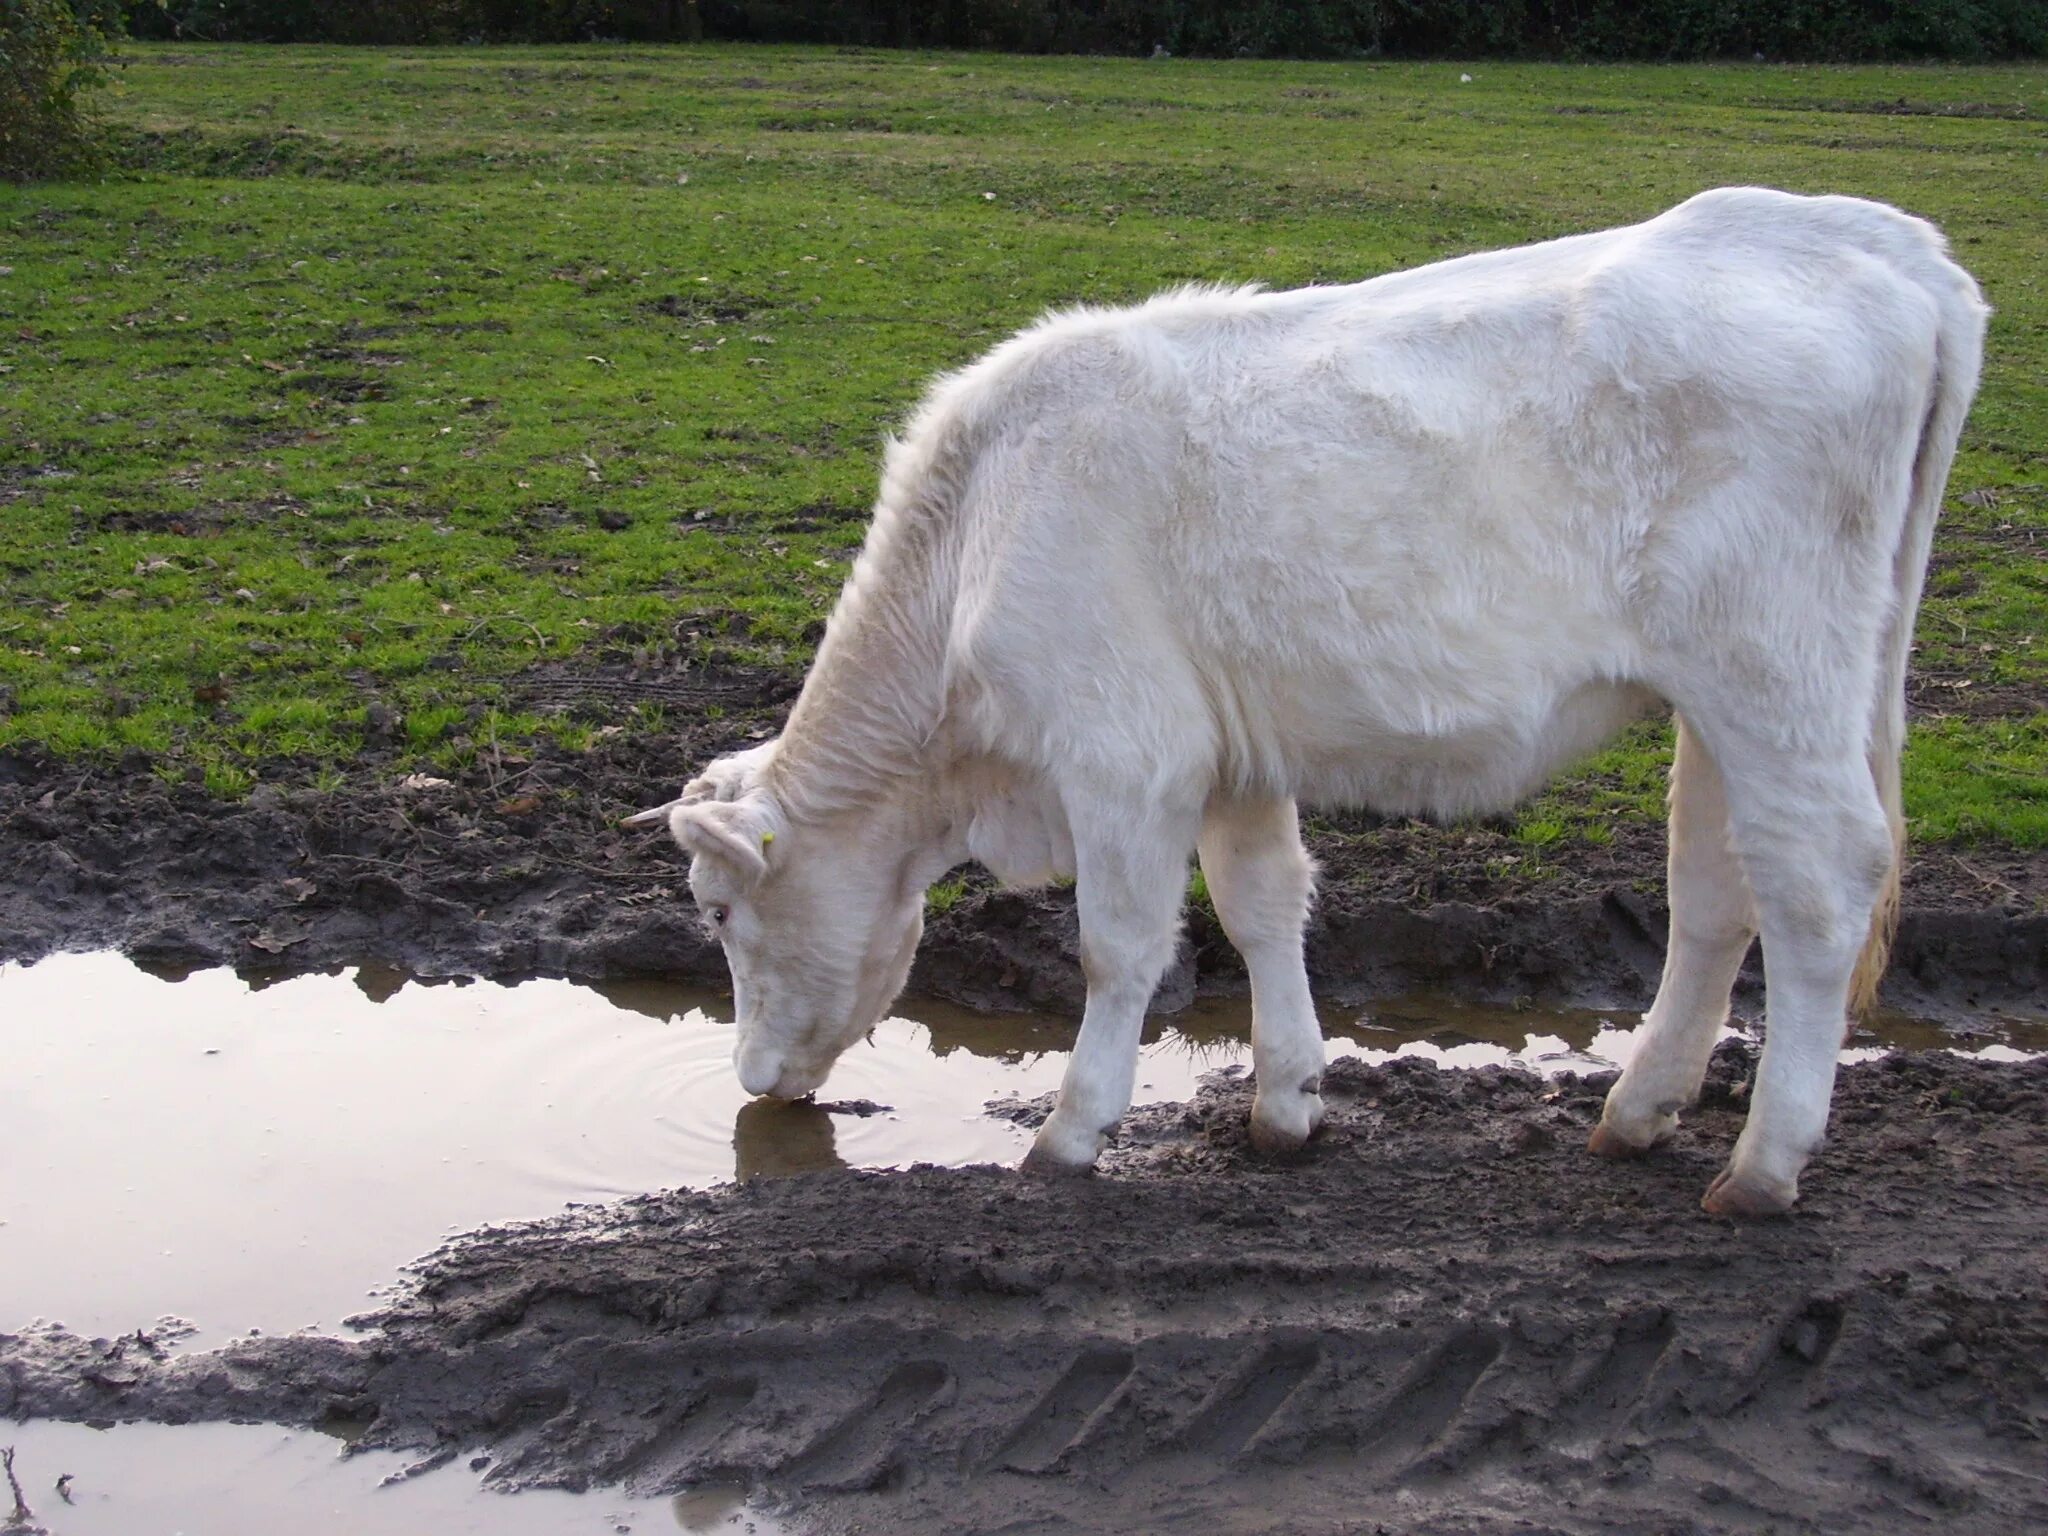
[
  {"x": 1260, "y": 880},
  {"x": 1713, "y": 921},
  {"x": 1818, "y": 850},
  {"x": 1130, "y": 866}
]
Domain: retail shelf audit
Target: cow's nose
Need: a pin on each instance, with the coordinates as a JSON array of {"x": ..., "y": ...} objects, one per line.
[
  {"x": 795, "y": 1082},
  {"x": 760, "y": 1071}
]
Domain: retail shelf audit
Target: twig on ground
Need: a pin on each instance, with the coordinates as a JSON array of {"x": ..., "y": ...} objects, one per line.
[
  {"x": 364, "y": 858},
  {"x": 1990, "y": 881},
  {"x": 22, "y": 1513},
  {"x": 615, "y": 874},
  {"x": 540, "y": 640}
]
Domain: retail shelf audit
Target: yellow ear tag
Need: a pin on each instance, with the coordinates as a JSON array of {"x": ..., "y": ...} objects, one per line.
[{"x": 767, "y": 838}]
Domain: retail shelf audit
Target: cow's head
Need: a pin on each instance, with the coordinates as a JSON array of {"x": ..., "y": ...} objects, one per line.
[{"x": 819, "y": 919}]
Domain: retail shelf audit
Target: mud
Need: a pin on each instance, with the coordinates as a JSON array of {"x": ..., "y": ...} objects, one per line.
[
  {"x": 514, "y": 867},
  {"x": 1443, "y": 1317}
]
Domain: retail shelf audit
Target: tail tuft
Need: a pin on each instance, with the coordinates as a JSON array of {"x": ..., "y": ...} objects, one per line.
[{"x": 1884, "y": 920}]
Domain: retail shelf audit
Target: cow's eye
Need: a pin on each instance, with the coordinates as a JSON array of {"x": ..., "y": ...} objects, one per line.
[{"x": 717, "y": 915}]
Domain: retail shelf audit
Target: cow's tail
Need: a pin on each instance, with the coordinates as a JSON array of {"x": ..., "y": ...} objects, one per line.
[{"x": 1959, "y": 351}]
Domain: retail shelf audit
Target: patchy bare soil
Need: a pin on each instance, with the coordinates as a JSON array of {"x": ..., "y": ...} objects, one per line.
[
  {"x": 516, "y": 868},
  {"x": 1444, "y": 1317}
]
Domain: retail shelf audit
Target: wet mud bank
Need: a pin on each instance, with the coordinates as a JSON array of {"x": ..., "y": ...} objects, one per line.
[
  {"x": 514, "y": 867},
  {"x": 1444, "y": 1316}
]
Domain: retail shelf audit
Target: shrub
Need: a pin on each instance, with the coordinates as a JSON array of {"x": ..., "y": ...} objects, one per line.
[{"x": 53, "y": 53}]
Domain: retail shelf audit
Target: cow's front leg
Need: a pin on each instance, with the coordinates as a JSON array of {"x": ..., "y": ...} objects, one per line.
[
  {"x": 1260, "y": 880},
  {"x": 1130, "y": 876}
]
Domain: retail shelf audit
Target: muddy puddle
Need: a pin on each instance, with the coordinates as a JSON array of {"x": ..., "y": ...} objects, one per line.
[
  {"x": 258, "y": 1480},
  {"x": 265, "y": 1157}
]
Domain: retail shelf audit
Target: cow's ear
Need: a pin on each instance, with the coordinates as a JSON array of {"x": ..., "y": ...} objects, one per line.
[
  {"x": 731, "y": 777},
  {"x": 735, "y": 831}
]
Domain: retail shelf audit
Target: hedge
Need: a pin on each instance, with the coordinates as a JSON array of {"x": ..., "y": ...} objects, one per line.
[{"x": 1572, "y": 29}]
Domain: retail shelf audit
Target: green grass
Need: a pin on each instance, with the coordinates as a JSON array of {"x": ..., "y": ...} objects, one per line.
[
  {"x": 393, "y": 373},
  {"x": 944, "y": 896},
  {"x": 1968, "y": 783}
]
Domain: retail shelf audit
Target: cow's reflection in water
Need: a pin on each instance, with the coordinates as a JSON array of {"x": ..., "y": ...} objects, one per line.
[{"x": 772, "y": 1139}]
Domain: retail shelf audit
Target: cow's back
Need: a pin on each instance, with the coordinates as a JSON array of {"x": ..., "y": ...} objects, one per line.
[{"x": 1417, "y": 540}]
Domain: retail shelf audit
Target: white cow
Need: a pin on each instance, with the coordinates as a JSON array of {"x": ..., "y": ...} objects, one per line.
[{"x": 1142, "y": 579}]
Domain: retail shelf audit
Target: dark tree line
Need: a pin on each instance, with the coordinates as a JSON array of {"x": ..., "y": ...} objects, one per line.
[{"x": 1570, "y": 29}]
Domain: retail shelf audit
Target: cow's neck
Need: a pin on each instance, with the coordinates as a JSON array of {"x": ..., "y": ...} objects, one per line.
[{"x": 868, "y": 723}]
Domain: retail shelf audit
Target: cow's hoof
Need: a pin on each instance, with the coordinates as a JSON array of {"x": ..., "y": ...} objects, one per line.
[
  {"x": 1745, "y": 1199},
  {"x": 1061, "y": 1153},
  {"x": 1040, "y": 1164},
  {"x": 1607, "y": 1141},
  {"x": 1283, "y": 1123}
]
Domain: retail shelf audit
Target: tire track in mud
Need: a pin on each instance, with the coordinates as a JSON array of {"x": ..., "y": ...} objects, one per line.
[
  {"x": 872, "y": 1442},
  {"x": 1240, "y": 1407},
  {"x": 1428, "y": 1422},
  {"x": 1445, "y": 1317},
  {"x": 1625, "y": 1374},
  {"x": 1060, "y": 1419},
  {"x": 678, "y": 1452},
  {"x": 1424, "y": 1416}
]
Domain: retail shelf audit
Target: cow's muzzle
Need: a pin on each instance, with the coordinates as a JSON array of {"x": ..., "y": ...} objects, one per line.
[{"x": 766, "y": 1074}]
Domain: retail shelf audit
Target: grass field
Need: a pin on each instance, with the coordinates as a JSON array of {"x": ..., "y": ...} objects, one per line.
[{"x": 391, "y": 374}]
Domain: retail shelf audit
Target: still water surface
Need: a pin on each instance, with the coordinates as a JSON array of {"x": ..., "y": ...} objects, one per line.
[{"x": 258, "y": 1480}]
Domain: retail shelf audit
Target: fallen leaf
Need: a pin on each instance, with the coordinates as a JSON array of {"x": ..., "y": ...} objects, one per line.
[
  {"x": 422, "y": 781},
  {"x": 278, "y": 936},
  {"x": 519, "y": 805}
]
